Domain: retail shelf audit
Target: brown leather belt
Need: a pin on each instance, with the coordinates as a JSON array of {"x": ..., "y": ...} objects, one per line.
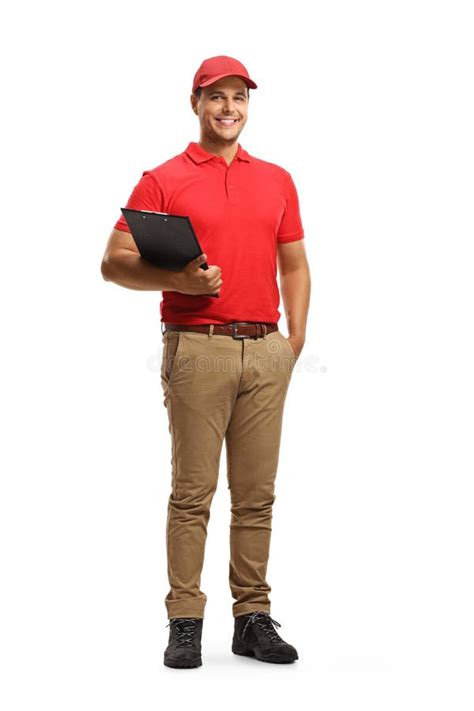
[{"x": 236, "y": 329}]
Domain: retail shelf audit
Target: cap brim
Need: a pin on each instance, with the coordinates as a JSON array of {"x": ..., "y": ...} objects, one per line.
[{"x": 248, "y": 81}]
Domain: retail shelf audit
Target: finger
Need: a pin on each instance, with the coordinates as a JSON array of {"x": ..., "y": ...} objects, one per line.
[{"x": 194, "y": 263}]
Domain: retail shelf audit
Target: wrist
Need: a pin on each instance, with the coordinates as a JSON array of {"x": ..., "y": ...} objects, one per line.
[
  {"x": 176, "y": 280},
  {"x": 298, "y": 337}
]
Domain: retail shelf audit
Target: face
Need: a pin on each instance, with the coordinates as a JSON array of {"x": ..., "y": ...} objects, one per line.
[{"x": 225, "y": 98}]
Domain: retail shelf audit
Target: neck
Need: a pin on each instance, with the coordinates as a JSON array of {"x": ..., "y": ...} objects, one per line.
[{"x": 227, "y": 151}]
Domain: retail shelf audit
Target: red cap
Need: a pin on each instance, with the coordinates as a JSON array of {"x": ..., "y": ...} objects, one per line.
[{"x": 216, "y": 68}]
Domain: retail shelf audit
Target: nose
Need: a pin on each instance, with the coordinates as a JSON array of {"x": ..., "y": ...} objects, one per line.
[{"x": 228, "y": 106}]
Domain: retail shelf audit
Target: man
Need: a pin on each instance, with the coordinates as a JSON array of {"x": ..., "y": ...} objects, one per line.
[{"x": 226, "y": 366}]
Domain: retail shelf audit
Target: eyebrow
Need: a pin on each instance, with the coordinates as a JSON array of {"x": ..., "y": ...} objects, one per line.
[{"x": 221, "y": 92}]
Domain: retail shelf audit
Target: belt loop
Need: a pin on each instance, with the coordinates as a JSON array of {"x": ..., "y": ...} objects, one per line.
[
  {"x": 264, "y": 330},
  {"x": 162, "y": 324},
  {"x": 211, "y": 330}
]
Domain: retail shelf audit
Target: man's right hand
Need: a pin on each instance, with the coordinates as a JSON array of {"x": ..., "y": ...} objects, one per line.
[{"x": 194, "y": 280}]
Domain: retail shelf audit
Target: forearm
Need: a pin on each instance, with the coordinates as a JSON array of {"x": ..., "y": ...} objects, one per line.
[
  {"x": 295, "y": 289},
  {"x": 130, "y": 270}
]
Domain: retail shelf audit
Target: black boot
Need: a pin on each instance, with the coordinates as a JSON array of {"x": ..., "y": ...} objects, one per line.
[
  {"x": 184, "y": 646},
  {"x": 255, "y": 636}
]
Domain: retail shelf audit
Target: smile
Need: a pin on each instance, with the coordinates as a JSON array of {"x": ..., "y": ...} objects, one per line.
[{"x": 227, "y": 122}]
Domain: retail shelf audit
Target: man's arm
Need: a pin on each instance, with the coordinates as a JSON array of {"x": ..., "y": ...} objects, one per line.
[
  {"x": 295, "y": 286},
  {"x": 123, "y": 264}
]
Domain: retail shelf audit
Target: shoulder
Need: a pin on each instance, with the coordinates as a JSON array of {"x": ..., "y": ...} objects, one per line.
[
  {"x": 170, "y": 168},
  {"x": 271, "y": 169},
  {"x": 269, "y": 172}
]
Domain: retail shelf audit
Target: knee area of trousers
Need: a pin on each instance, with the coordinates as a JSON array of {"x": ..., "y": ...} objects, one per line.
[{"x": 199, "y": 503}]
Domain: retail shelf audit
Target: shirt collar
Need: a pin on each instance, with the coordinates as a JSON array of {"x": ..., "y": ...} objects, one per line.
[{"x": 199, "y": 155}]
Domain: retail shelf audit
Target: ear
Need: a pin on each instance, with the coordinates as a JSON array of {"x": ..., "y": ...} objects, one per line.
[{"x": 194, "y": 101}]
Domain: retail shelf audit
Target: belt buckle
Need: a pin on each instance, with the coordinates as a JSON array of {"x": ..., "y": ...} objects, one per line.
[{"x": 234, "y": 332}]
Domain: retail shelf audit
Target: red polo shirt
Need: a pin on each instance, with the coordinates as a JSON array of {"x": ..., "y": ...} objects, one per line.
[{"x": 240, "y": 212}]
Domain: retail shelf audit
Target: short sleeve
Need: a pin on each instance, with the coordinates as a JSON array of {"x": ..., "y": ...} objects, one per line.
[
  {"x": 146, "y": 195},
  {"x": 291, "y": 228}
]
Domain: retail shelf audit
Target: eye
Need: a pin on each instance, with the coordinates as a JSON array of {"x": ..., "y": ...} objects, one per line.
[{"x": 240, "y": 98}]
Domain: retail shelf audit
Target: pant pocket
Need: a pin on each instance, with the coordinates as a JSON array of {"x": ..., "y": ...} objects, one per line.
[
  {"x": 173, "y": 343},
  {"x": 289, "y": 349}
]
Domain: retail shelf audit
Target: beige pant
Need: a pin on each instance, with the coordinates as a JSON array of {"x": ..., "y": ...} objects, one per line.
[{"x": 217, "y": 387}]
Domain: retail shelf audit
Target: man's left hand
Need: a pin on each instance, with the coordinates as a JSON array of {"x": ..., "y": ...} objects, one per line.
[{"x": 296, "y": 345}]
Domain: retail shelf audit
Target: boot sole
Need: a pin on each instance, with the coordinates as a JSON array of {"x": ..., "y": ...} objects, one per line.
[
  {"x": 180, "y": 664},
  {"x": 250, "y": 652}
]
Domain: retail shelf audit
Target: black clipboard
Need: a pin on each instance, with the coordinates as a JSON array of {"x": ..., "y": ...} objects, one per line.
[{"x": 167, "y": 241}]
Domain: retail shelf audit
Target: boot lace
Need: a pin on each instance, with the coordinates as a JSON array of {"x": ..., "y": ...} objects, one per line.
[
  {"x": 265, "y": 623},
  {"x": 185, "y": 628}
]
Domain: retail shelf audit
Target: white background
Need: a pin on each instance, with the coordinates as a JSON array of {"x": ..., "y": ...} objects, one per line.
[{"x": 369, "y": 105}]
